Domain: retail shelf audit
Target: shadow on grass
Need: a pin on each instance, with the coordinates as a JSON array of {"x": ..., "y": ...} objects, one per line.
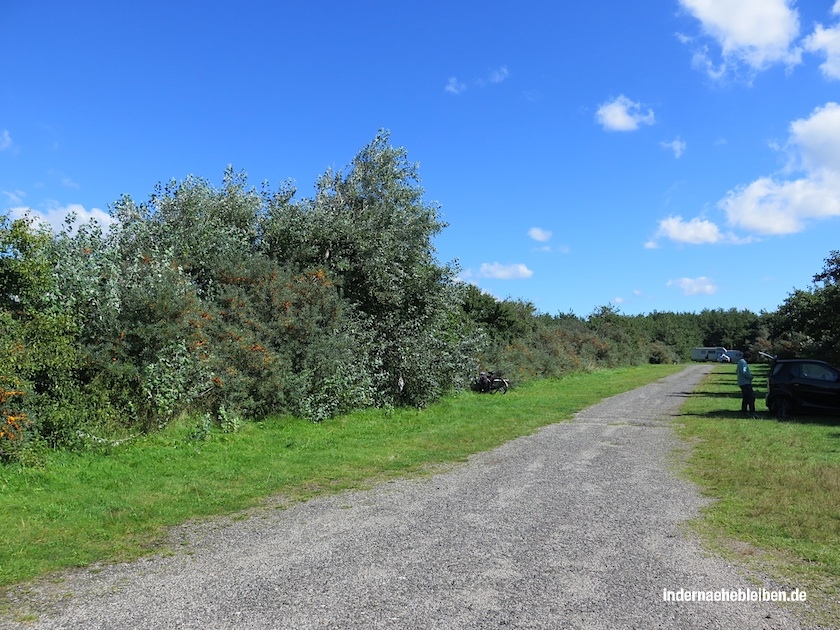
[
  {"x": 733, "y": 414},
  {"x": 717, "y": 378},
  {"x": 733, "y": 394}
]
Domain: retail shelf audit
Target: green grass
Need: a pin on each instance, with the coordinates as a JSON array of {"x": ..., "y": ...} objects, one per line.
[
  {"x": 777, "y": 485},
  {"x": 82, "y": 508}
]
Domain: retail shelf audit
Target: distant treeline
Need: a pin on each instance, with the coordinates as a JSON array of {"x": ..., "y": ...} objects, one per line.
[{"x": 233, "y": 303}]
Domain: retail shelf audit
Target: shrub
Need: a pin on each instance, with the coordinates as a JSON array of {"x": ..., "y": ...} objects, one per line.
[{"x": 13, "y": 422}]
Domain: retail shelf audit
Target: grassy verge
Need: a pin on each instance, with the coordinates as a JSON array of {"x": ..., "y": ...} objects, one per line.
[
  {"x": 777, "y": 485},
  {"x": 83, "y": 508}
]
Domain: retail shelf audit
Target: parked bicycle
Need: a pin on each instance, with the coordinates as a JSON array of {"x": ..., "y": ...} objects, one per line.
[{"x": 490, "y": 382}]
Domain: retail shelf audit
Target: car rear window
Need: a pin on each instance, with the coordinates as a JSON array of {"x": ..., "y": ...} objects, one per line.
[{"x": 818, "y": 372}]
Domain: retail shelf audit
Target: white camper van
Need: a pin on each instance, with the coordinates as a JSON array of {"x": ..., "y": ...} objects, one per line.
[{"x": 718, "y": 353}]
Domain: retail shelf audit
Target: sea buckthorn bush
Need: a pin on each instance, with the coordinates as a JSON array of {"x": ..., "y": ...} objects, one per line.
[{"x": 226, "y": 303}]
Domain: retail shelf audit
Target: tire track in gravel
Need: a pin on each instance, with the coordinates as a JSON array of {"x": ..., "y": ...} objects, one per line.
[{"x": 576, "y": 526}]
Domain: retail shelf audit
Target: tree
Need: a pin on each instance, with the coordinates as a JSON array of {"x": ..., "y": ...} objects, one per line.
[
  {"x": 807, "y": 320},
  {"x": 679, "y": 331},
  {"x": 728, "y": 328},
  {"x": 38, "y": 338},
  {"x": 371, "y": 231}
]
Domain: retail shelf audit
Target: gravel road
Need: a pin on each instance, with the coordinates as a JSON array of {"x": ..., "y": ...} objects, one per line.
[{"x": 576, "y": 526}]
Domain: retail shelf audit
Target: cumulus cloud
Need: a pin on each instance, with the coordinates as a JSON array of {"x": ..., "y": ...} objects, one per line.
[
  {"x": 676, "y": 145},
  {"x": 826, "y": 41},
  {"x": 696, "y": 231},
  {"x": 55, "y": 216},
  {"x": 751, "y": 33},
  {"x": 694, "y": 286},
  {"x": 499, "y": 75},
  {"x": 498, "y": 271},
  {"x": 781, "y": 203},
  {"x": 539, "y": 234},
  {"x": 622, "y": 114},
  {"x": 5, "y": 140},
  {"x": 774, "y": 205}
]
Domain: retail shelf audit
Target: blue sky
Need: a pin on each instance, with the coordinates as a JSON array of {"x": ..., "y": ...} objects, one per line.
[{"x": 669, "y": 155}]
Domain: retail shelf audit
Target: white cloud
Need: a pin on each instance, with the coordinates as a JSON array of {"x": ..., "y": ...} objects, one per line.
[
  {"x": 15, "y": 197},
  {"x": 497, "y": 76},
  {"x": 5, "y": 140},
  {"x": 18, "y": 212},
  {"x": 539, "y": 234},
  {"x": 777, "y": 204},
  {"x": 827, "y": 41},
  {"x": 465, "y": 275},
  {"x": 696, "y": 231},
  {"x": 783, "y": 206},
  {"x": 694, "y": 286},
  {"x": 454, "y": 86},
  {"x": 817, "y": 139},
  {"x": 622, "y": 114},
  {"x": 755, "y": 33},
  {"x": 676, "y": 145},
  {"x": 56, "y": 215},
  {"x": 498, "y": 271},
  {"x": 769, "y": 207}
]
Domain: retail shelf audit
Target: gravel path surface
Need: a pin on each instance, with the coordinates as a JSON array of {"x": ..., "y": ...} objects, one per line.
[{"x": 576, "y": 526}]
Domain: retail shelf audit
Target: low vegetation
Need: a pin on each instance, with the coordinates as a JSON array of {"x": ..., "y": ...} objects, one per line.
[
  {"x": 150, "y": 371},
  {"x": 776, "y": 486},
  {"x": 240, "y": 303},
  {"x": 85, "y": 507}
]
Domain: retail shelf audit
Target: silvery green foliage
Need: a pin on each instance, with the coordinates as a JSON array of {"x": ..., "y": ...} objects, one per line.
[
  {"x": 171, "y": 382},
  {"x": 372, "y": 230},
  {"x": 205, "y": 298},
  {"x": 229, "y": 421},
  {"x": 201, "y": 430}
]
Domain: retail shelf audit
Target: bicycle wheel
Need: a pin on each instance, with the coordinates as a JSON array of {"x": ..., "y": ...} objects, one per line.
[{"x": 498, "y": 385}]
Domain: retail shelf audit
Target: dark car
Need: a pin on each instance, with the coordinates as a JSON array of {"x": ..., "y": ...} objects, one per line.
[{"x": 799, "y": 385}]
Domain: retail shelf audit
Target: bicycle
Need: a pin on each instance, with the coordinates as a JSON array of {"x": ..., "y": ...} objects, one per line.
[{"x": 489, "y": 382}]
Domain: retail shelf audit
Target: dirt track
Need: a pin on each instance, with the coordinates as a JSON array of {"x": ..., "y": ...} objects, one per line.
[{"x": 576, "y": 526}]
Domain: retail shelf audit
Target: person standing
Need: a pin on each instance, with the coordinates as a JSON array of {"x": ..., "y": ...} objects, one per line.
[{"x": 745, "y": 379}]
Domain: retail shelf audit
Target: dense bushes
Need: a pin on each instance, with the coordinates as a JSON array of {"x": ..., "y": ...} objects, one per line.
[
  {"x": 229, "y": 302},
  {"x": 233, "y": 302},
  {"x": 526, "y": 344}
]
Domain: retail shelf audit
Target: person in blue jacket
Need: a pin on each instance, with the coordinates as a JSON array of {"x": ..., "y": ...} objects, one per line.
[{"x": 745, "y": 379}]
